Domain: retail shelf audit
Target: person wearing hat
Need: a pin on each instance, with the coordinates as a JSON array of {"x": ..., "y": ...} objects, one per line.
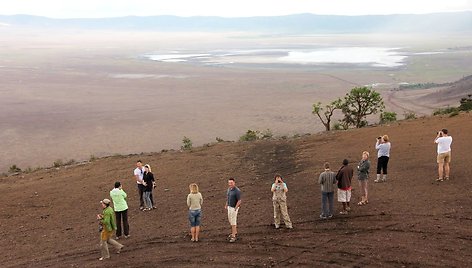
[
  {"x": 279, "y": 200},
  {"x": 108, "y": 224},
  {"x": 118, "y": 196}
]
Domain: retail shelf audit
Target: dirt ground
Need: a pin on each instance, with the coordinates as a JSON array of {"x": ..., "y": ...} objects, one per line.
[{"x": 48, "y": 217}]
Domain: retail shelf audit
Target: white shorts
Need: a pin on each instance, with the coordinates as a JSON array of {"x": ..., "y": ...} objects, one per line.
[
  {"x": 344, "y": 195},
  {"x": 232, "y": 215}
]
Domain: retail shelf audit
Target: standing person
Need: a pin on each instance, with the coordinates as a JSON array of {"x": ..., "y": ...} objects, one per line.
[
  {"x": 118, "y": 196},
  {"x": 194, "y": 203},
  {"x": 327, "y": 180},
  {"x": 108, "y": 226},
  {"x": 383, "y": 155},
  {"x": 148, "y": 185},
  {"x": 444, "y": 154},
  {"x": 279, "y": 200},
  {"x": 363, "y": 176},
  {"x": 138, "y": 174},
  {"x": 344, "y": 178},
  {"x": 233, "y": 202}
]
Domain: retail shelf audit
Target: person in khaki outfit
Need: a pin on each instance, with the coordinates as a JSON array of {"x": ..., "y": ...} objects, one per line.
[{"x": 279, "y": 199}]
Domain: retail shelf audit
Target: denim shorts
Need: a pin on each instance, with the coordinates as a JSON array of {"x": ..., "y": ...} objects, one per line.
[{"x": 194, "y": 216}]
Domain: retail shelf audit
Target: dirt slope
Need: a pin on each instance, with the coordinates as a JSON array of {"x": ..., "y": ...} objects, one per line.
[{"x": 48, "y": 217}]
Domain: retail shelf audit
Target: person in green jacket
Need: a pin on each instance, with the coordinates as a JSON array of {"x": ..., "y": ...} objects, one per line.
[
  {"x": 108, "y": 226},
  {"x": 118, "y": 196}
]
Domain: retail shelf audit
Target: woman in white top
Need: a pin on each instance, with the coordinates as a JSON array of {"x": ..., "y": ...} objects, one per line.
[
  {"x": 194, "y": 203},
  {"x": 383, "y": 155}
]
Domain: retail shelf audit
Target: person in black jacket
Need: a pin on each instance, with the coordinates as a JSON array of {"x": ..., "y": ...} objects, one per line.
[{"x": 149, "y": 184}]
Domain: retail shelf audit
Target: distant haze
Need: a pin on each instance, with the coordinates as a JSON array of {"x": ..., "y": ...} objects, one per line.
[
  {"x": 241, "y": 8},
  {"x": 460, "y": 22}
]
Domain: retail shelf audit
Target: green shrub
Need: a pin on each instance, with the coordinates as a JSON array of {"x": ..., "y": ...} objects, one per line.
[
  {"x": 466, "y": 103},
  {"x": 14, "y": 169},
  {"x": 446, "y": 110},
  {"x": 454, "y": 113},
  {"x": 186, "y": 144},
  {"x": 387, "y": 117},
  {"x": 409, "y": 115},
  {"x": 57, "y": 163},
  {"x": 250, "y": 135}
]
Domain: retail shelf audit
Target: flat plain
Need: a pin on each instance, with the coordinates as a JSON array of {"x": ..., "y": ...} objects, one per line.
[{"x": 77, "y": 94}]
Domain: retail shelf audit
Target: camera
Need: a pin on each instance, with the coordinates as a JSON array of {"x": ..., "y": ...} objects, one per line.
[
  {"x": 379, "y": 137},
  {"x": 439, "y": 133}
]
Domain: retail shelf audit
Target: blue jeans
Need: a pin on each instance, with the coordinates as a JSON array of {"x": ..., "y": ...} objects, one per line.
[
  {"x": 327, "y": 197},
  {"x": 194, "y": 216}
]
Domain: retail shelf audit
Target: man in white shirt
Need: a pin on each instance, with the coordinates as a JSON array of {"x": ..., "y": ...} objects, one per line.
[
  {"x": 138, "y": 174},
  {"x": 444, "y": 154}
]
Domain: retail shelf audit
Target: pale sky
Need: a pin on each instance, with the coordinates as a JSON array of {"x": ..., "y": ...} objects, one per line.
[{"x": 224, "y": 8}]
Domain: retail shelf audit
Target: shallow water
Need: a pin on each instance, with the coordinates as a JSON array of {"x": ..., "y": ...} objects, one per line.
[{"x": 369, "y": 56}]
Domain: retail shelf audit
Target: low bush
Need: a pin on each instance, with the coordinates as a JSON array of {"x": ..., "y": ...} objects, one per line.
[
  {"x": 387, "y": 117},
  {"x": 409, "y": 115},
  {"x": 14, "y": 169},
  {"x": 186, "y": 144},
  {"x": 446, "y": 110},
  {"x": 250, "y": 135}
]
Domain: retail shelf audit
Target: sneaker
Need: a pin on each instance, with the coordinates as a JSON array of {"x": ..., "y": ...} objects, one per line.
[
  {"x": 141, "y": 208},
  {"x": 348, "y": 209},
  {"x": 119, "y": 250},
  {"x": 323, "y": 217},
  {"x": 277, "y": 226},
  {"x": 439, "y": 179},
  {"x": 101, "y": 259},
  {"x": 289, "y": 227},
  {"x": 330, "y": 216},
  {"x": 117, "y": 238},
  {"x": 446, "y": 178},
  {"x": 343, "y": 212},
  {"x": 153, "y": 207},
  {"x": 126, "y": 236},
  {"x": 232, "y": 239},
  {"x": 376, "y": 181}
]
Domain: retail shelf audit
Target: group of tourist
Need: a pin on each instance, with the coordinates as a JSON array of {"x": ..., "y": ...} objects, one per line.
[{"x": 117, "y": 219}]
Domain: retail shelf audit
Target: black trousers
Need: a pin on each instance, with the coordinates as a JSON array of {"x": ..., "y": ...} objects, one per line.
[
  {"x": 382, "y": 164},
  {"x": 140, "y": 191},
  {"x": 122, "y": 215}
]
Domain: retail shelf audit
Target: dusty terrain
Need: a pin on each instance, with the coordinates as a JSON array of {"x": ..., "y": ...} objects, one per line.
[
  {"x": 75, "y": 94},
  {"x": 48, "y": 217}
]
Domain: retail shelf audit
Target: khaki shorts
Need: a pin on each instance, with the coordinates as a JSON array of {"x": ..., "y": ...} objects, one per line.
[
  {"x": 444, "y": 158},
  {"x": 344, "y": 195},
  {"x": 232, "y": 215}
]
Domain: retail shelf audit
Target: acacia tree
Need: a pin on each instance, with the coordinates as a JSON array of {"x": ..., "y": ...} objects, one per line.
[
  {"x": 325, "y": 114},
  {"x": 359, "y": 103}
]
